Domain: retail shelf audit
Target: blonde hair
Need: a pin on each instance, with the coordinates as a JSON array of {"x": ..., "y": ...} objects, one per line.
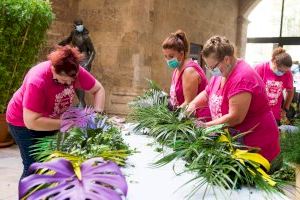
[{"x": 220, "y": 46}]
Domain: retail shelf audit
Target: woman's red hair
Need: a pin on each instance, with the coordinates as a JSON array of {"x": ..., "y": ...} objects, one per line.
[{"x": 65, "y": 60}]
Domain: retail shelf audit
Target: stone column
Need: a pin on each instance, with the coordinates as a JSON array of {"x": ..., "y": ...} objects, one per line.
[{"x": 241, "y": 37}]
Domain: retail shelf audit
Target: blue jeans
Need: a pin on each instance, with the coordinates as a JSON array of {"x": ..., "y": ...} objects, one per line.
[{"x": 25, "y": 138}]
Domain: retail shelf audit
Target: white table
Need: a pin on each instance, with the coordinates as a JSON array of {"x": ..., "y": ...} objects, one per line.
[{"x": 148, "y": 183}]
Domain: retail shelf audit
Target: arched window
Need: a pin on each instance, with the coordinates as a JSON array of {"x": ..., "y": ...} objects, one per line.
[{"x": 273, "y": 23}]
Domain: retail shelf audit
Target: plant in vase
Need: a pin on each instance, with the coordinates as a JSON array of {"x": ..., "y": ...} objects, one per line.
[{"x": 23, "y": 26}]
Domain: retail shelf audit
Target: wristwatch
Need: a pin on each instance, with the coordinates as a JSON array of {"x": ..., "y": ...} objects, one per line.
[{"x": 285, "y": 109}]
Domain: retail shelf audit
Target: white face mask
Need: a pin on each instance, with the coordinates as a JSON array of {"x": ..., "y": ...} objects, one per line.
[
  {"x": 278, "y": 73},
  {"x": 216, "y": 71},
  {"x": 79, "y": 28}
]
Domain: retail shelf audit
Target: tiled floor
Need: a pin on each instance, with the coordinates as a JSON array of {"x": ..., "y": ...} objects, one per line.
[{"x": 10, "y": 172}]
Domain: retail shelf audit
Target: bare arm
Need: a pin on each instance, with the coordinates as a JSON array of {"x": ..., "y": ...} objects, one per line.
[
  {"x": 66, "y": 40},
  {"x": 35, "y": 121},
  {"x": 289, "y": 99},
  {"x": 200, "y": 101},
  {"x": 190, "y": 82},
  {"x": 91, "y": 50},
  {"x": 238, "y": 108},
  {"x": 287, "y": 102},
  {"x": 99, "y": 96}
]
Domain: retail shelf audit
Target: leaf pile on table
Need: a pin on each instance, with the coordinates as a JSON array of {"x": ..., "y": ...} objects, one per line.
[
  {"x": 215, "y": 155},
  {"x": 81, "y": 161}
]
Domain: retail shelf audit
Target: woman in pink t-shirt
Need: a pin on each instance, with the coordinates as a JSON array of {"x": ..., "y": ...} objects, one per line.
[
  {"x": 188, "y": 78},
  {"x": 46, "y": 92},
  {"x": 236, "y": 96},
  {"x": 277, "y": 76}
]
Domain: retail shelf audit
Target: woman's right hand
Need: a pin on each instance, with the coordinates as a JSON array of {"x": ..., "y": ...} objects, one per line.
[{"x": 191, "y": 109}]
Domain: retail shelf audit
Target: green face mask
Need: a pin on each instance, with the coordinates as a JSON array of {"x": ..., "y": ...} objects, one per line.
[{"x": 173, "y": 63}]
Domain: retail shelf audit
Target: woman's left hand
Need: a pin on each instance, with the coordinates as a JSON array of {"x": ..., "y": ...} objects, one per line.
[{"x": 283, "y": 114}]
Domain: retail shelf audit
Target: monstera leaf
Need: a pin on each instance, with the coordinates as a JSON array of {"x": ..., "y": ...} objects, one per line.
[{"x": 94, "y": 179}]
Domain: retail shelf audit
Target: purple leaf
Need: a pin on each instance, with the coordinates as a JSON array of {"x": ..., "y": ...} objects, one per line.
[
  {"x": 77, "y": 117},
  {"x": 100, "y": 180}
]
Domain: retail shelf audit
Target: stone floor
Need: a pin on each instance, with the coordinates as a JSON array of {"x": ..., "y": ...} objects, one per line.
[{"x": 10, "y": 172}]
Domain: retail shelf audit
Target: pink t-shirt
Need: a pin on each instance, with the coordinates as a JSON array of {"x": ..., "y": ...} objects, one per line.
[
  {"x": 274, "y": 86},
  {"x": 244, "y": 79},
  {"x": 39, "y": 93},
  {"x": 176, "y": 90}
]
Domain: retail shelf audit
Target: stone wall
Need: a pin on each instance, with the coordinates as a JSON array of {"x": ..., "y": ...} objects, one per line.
[{"x": 127, "y": 36}]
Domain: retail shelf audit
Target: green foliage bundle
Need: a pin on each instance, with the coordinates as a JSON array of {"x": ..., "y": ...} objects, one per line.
[
  {"x": 217, "y": 158},
  {"x": 84, "y": 144},
  {"x": 23, "y": 25},
  {"x": 290, "y": 146}
]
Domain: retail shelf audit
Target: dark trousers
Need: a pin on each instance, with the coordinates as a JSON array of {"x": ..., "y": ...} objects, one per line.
[{"x": 25, "y": 138}]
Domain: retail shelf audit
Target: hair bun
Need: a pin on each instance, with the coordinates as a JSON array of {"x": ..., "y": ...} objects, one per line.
[{"x": 180, "y": 34}]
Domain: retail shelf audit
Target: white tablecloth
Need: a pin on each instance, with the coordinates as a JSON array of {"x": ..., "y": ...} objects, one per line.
[{"x": 148, "y": 183}]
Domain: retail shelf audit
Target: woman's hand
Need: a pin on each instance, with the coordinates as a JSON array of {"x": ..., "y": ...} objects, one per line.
[
  {"x": 283, "y": 114},
  {"x": 190, "y": 109}
]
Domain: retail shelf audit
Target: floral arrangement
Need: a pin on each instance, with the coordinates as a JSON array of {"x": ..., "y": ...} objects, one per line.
[
  {"x": 215, "y": 154},
  {"x": 80, "y": 161}
]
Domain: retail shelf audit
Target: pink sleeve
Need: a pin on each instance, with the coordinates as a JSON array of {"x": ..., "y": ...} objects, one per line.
[
  {"x": 289, "y": 81},
  {"x": 34, "y": 98},
  {"x": 85, "y": 80},
  {"x": 258, "y": 69},
  {"x": 241, "y": 86}
]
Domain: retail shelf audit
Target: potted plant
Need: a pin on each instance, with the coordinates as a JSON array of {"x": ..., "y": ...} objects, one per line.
[{"x": 23, "y": 25}]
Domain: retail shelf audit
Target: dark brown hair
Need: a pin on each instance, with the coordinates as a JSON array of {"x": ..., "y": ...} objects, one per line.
[
  {"x": 219, "y": 46},
  {"x": 280, "y": 57},
  {"x": 66, "y": 59},
  {"x": 177, "y": 41}
]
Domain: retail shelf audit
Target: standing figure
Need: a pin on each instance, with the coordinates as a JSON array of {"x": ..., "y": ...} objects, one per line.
[
  {"x": 46, "y": 93},
  {"x": 237, "y": 97},
  {"x": 79, "y": 38},
  {"x": 188, "y": 78},
  {"x": 278, "y": 77}
]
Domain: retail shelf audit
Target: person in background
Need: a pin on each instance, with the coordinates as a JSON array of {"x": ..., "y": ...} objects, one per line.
[
  {"x": 188, "y": 79},
  {"x": 46, "y": 93},
  {"x": 236, "y": 96},
  {"x": 277, "y": 77}
]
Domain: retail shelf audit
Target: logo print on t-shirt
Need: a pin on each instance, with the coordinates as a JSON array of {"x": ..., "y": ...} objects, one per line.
[
  {"x": 63, "y": 100},
  {"x": 274, "y": 90},
  {"x": 173, "y": 98},
  {"x": 215, "y": 102}
]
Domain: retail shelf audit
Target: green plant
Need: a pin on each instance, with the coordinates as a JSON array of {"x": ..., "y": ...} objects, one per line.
[
  {"x": 212, "y": 154},
  {"x": 85, "y": 143},
  {"x": 23, "y": 25},
  {"x": 290, "y": 146}
]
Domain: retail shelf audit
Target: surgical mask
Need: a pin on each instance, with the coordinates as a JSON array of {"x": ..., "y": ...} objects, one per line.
[
  {"x": 79, "y": 28},
  {"x": 278, "y": 73},
  {"x": 173, "y": 63},
  {"x": 216, "y": 71}
]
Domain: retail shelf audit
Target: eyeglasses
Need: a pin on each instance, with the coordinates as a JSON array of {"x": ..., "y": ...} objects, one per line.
[{"x": 212, "y": 67}]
